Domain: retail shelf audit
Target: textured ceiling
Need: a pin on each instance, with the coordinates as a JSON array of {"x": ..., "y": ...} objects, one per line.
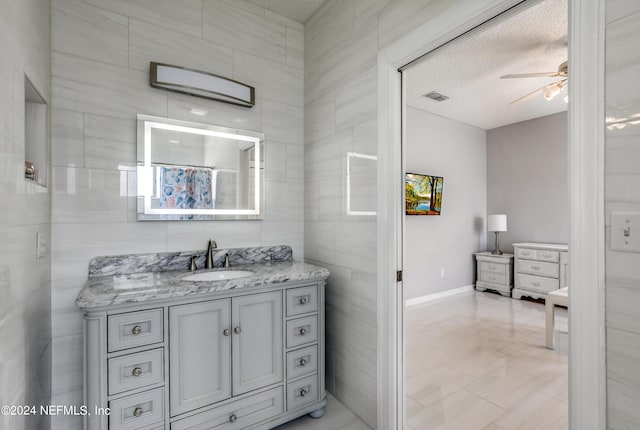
[
  {"x": 468, "y": 70},
  {"x": 297, "y": 10}
]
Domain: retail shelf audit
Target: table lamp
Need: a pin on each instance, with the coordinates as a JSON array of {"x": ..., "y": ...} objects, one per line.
[{"x": 497, "y": 223}]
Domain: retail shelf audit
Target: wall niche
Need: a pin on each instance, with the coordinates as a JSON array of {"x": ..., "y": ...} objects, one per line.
[{"x": 36, "y": 135}]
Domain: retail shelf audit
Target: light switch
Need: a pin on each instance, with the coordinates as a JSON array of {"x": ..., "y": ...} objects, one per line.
[
  {"x": 625, "y": 231},
  {"x": 41, "y": 245}
]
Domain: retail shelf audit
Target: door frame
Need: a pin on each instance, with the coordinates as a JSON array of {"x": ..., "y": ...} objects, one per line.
[{"x": 587, "y": 371}]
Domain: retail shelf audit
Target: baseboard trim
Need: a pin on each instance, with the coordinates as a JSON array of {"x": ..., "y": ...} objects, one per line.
[{"x": 440, "y": 295}]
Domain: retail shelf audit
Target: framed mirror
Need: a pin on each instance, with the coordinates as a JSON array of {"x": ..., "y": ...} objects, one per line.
[{"x": 193, "y": 171}]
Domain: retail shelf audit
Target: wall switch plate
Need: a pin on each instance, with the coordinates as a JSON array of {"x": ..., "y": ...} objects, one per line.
[
  {"x": 41, "y": 245},
  {"x": 625, "y": 231}
]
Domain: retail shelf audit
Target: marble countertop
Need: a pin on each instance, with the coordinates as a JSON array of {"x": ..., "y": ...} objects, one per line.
[{"x": 103, "y": 291}]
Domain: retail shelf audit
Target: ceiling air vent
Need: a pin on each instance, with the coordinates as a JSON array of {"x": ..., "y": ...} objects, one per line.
[{"x": 436, "y": 96}]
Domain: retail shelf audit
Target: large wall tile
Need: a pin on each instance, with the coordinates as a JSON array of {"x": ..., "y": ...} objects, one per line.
[
  {"x": 282, "y": 122},
  {"x": 295, "y": 48},
  {"x": 90, "y": 32},
  {"x": 67, "y": 138},
  {"x": 623, "y": 382},
  {"x": 109, "y": 143}
]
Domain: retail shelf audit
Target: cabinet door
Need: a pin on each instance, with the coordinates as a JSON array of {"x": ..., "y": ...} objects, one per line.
[
  {"x": 199, "y": 354},
  {"x": 257, "y": 341}
]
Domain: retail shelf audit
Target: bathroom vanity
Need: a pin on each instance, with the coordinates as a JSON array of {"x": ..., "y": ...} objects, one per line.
[{"x": 218, "y": 352}]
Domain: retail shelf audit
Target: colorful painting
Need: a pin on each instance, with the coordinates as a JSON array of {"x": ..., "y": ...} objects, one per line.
[{"x": 423, "y": 194}]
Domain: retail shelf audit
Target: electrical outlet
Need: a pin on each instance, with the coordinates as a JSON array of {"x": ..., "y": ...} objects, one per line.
[
  {"x": 625, "y": 231},
  {"x": 41, "y": 245}
]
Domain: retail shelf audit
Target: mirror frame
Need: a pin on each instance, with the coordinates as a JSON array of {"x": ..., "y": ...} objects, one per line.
[{"x": 145, "y": 124}]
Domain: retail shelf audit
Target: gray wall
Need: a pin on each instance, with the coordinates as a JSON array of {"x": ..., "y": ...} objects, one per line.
[
  {"x": 622, "y": 194},
  {"x": 342, "y": 41},
  {"x": 25, "y": 286},
  {"x": 100, "y": 59},
  {"x": 442, "y": 147},
  {"x": 527, "y": 179}
]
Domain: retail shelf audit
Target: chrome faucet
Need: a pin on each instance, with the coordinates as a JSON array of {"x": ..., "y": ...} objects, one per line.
[{"x": 208, "y": 264}]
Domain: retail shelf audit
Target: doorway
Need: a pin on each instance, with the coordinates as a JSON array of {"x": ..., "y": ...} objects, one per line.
[{"x": 586, "y": 142}]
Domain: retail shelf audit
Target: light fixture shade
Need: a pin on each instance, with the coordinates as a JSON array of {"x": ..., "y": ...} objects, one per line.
[
  {"x": 497, "y": 222},
  {"x": 200, "y": 84}
]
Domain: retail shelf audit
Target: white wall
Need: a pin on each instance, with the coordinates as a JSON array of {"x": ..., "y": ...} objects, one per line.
[
  {"x": 527, "y": 179},
  {"x": 100, "y": 81},
  {"x": 25, "y": 286},
  {"x": 442, "y": 147},
  {"x": 622, "y": 194}
]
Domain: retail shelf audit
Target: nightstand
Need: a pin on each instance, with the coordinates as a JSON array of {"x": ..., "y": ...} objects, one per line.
[{"x": 495, "y": 272}]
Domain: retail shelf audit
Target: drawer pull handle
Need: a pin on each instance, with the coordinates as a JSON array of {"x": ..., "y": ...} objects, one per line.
[
  {"x": 303, "y": 331},
  {"x": 492, "y": 267},
  {"x": 226, "y": 332},
  {"x": 303, "y": 300},
  {"x": 536, "y": 284},
  {"x": 493, "y": 278},
  {"x": 303, "y": 362},
  {"x": 237, "y": 330},
  {"x": 136, "y": 330},
  {"x": 525, "y": 252},
  {"x": 136, "y": 372},
  {"x": 137, "y": 412},
  {"x": 546, "y": 254},
  {"x": 233, "y": 418},
  {"x": 304, "y": 391},
  {"x": 535, "y": 267}
]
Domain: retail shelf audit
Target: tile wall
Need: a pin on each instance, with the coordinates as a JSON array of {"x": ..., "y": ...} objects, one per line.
[
  {"x": 342, "y": 41},
  {"x": 101, "y": 51},
  {"x": 622, "y": 194},
  {"x": 25, "y": 281}
]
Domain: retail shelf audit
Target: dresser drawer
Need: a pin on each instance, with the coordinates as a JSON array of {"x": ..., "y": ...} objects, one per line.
[
  {"x": 133, "y": 412},
  {"x": 236, "y": 415},
  {"x": 496, "y": 278},
  {"x": 135, "y": 370},
  {"x": 545, "y": 255},
  {"x": 538, "y": 268},
  {"x": 537, "y": 283},
  {"x": 526, "y": 253},
  {"x": 302, "y": 392},
  {"x": 500, "y": 269},
  {"x": 302, "y": 330},
  {"x": 134, "y": 329},
  {"x": 302, "y": 362},
  {"x": 302, "y": 300}
]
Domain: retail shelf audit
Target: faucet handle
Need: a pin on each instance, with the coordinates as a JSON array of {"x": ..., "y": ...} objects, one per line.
[
  {"x": 226, "y": 260},
  {"x": 192, "y": 264}
]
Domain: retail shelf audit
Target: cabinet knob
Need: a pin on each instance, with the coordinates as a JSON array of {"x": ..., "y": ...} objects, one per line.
[
  {"x": 226, "y": 332},
  {"x": 237, "y": 330},
  {"x": 136, "y": 372},
  {"x": 303, "y": 300},
  {"x": 536, "y": 284},
  {"x": 303, "y": 362},
  {"x": 303, "y": 331},
  {"x": 137, "y": 412},
  {"x": 136, "y": 330},
  {"x": 304, "y": 391},
  {"x": 233, "y": 418},
  {"x": 535, "y": 267}
]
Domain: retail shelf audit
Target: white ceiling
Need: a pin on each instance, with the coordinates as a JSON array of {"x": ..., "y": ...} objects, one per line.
[
  {"x": 297, "y": 10},
  {"x": 468, "y": 70}
]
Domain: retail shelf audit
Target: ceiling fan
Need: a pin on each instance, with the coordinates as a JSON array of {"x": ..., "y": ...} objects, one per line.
[{"x": 548, "y": 91}]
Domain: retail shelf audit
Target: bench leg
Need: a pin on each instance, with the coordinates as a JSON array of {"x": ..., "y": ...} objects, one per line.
[{"x": 550, "y": 309}]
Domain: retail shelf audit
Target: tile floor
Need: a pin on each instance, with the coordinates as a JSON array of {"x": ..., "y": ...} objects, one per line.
[{"x": 474, "y": 361}]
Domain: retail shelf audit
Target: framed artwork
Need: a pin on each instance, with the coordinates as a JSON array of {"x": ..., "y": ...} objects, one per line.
[{"x": 423, "y": 194}]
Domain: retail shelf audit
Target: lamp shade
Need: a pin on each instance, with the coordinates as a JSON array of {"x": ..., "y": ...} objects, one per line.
[{"x": 497, "y": 222}]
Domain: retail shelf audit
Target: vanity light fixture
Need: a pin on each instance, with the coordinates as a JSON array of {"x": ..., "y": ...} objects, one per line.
[{"x": 201, "y": 84}]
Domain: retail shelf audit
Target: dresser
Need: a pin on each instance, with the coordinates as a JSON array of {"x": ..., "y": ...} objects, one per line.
[
  {"x": 494, "y": 272},
  {"x": 539, "y": 269}
]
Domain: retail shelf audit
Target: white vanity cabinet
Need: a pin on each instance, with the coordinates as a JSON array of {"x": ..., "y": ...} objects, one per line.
[
  {"x": 246, "y": 358},
  {"x": 539, "y": 269}
]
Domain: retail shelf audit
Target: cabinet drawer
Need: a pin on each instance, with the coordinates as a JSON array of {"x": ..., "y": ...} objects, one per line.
[
  {"x": 136, "y": 411},
  {"x": 537, "y": 283},
  {"x": 551, "y": 256},
  {"x": 527, "y": 253},
  {"x": 302, "y": 361},
  {"x": 236, "y": 415},
  {"x": 538, "y": 268},
  {"x": 496, "y": 278},
  {"x": 302, "y": 300},
  {"x": 302, "y": 392},
  {"x": 134, "y": 329},
  {"x": 302, "y": 330},
  {"x": 135, "y": 371},
  {"x": 494, "y": 268}
]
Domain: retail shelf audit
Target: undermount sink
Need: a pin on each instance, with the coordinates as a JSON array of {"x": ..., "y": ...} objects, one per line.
[{"x": 219, "y": 275}]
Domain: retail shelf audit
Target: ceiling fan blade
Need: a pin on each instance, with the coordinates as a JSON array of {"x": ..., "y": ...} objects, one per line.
[
  {"x": 528, "y": 96},
  {"x": 531, "y": 75}
]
